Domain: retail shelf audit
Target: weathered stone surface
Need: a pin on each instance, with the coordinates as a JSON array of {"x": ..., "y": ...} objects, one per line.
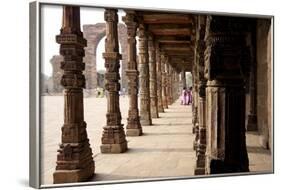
[
  {"x": 145, "y": 113},
  {"x": 56, "y": 73},
  {"x": 164, "y": 81},
  {"x": 159, "y": 81},
  {"x": 225, "y": 55},
  {"x": 113, "y": 137},
  {"x": 74, "y": 160},
  {"x": 133, "y": 126},
  {"x": 152, "y": 78},
  {"x": 201, "y": 138},
  {"x": 264, "y": 82}
]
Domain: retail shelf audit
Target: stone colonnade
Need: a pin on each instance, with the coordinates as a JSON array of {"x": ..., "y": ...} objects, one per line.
[
  {"x": 153, "y": 74},
  {"x": 219, "y": 71}
]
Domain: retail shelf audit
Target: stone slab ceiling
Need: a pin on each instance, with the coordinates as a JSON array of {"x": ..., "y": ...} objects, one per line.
[{"x": 174, "y": 33}]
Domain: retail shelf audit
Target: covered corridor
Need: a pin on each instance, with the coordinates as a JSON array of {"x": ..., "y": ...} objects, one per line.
[{"x": 219, "y": 51}]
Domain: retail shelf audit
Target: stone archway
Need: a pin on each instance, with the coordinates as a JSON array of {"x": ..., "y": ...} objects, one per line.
[{"x": 94, "y": 34}]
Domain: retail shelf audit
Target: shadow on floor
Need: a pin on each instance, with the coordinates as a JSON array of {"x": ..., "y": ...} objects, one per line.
[
  {"x": 142, "y": 150},
  {"x": 174, "y": 117},
  {"x": 174, "y": 124},
  {"x": 168, "y": 133}
]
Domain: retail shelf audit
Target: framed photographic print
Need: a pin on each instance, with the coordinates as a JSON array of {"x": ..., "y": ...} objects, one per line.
[{"x": 122, "y": 94}]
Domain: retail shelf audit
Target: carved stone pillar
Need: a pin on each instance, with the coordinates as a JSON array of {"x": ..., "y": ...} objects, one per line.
[
  {"x": 167, "y": 80},
  {"x": 172, "y": 85},
  {"x": 177, "y": 86},
  {"x": 226, "y": 56},
  {"x": 74, "y": 160},
  {"x": 164, "y": 81},
  {"x": 159, "y": 81},
  {"x": 201, "y": 143},
  {"x": 133, "y": 127},
  {"x": 145, "y": 114},
  {"x": 183, "y": 79},
  {"x": 113, "y": 137},
  {"x": 195, "y": 121},
  {"x": 169, "y": 84},
  {"x": 152, "y": 78},
  {"x": 252, "y": 116}
]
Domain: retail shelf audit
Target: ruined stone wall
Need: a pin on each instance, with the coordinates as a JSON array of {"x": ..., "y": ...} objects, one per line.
[
  {"x": 56, "y": 74},
  {"x": 264, "y": 81},
  {"x": 93, "y": 34}
]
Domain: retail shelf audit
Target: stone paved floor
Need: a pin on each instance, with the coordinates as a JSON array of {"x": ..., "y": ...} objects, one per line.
[{"x": 165, "y": 149}]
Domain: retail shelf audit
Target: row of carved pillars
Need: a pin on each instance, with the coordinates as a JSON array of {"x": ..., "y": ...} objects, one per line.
[
  {"x": 219, "y": 74},
  {"x": 74, "y": 160}
]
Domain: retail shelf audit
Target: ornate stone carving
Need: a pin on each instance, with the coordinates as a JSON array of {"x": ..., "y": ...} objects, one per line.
[
  {"x": 201, "y": 142},
  {"x": 169, "y": 85},
  {"x": 224, "y": 58},
  {"x": 164, "y": 80},
  {"x": 113, "y": 137},
  {"x": 159, "y": 80},
  {"x": 133, "y": 126},
  {"x": 152, "y": 78},
  {"x": 252, "y": 116},
  {"x": 74, "y": 160},
  {"x": 145, "y": 114}
]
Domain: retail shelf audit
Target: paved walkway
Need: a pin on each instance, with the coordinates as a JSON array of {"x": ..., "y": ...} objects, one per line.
[{"x": 165, "y": 149}]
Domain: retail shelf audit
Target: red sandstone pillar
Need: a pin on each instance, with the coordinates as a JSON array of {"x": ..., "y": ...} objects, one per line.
[
  {"x": 133, "y": 127},
  {"x": 74, "y": 160},
  {"x": 159, "y": 81},
  {"x": 145, "y": 113},
  {"x": 113, "y": 137},
  {"x": 152, "y": 78},
  {"x": 226, "y": 54}
]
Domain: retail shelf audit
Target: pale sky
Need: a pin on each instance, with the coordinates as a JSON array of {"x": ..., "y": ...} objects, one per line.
[{"x": 51, "y": 18}]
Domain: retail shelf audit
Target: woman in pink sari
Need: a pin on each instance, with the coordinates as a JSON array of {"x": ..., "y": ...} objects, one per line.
[{"x": 184, "y": 97}]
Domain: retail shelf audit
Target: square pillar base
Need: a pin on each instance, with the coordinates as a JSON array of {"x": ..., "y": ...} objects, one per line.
[
  {"x": 199, "y": 171},
  {"x": 134, "y": 132},
  {"x": 154, "y": 114},
  {"x": 145, "y": 122},
  {"x": 252, "y": 123},
  {"x": 73, "y": 176},
  {"x": 114, "y": 148},
  {"x": 160, "y": 109}
]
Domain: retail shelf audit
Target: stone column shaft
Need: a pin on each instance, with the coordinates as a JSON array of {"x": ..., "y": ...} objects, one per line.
[
  {"x": 113, "y": 137},
  {"x": 226, "y": 53},
  {"x": 252, "y": 116},
  {"x": 152, "y": 78},
  {"x": 74, "y": 160},
  {"x": 195, "y": 128},
  {"x": 159, "y": 81},
  {"x": 201, "y": 142},
  {"x": 164, "y": 81},
  {"x": 133, "y": 127},
  {"x": 145, "y": 113},
  {"x": 170, "y": 91}
]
